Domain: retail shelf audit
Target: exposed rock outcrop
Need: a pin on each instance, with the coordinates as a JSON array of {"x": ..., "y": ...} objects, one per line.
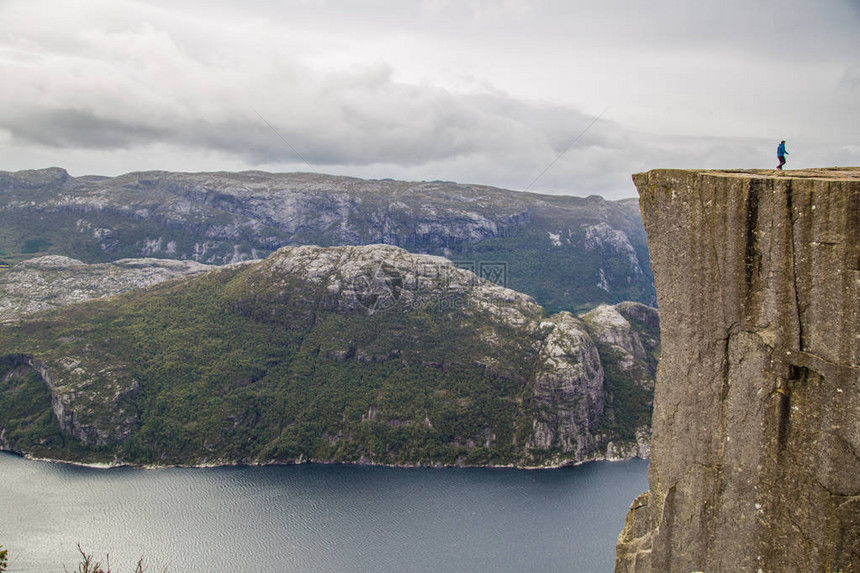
[
  {"x": 627, "y": 337},
  {"x": 568, "y": 390},
  {"x": 633, "y": 345},
  {"x": 52, "y": 281},
  {"x": 756, "y": 463},
  {"x": 93, "y": 404}
]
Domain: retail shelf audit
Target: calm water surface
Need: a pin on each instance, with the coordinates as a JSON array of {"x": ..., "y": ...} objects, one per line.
[{"x": 312, "y": 518}]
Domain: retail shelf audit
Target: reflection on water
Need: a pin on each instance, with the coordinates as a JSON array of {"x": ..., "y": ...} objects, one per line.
[{"x": 316, "y": 517}]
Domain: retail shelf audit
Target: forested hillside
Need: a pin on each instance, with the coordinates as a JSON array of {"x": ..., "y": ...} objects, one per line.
[{"x": 359, "y": 354}]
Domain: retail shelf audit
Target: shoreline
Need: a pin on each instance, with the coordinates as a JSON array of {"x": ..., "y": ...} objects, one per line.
[{"x": 225, "y": 464}]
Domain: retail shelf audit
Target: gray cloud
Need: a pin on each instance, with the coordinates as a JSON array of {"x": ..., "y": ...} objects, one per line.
[
  {"x": 479, "y": 91},
  {"x": 375, "y": 120},
  {"x": 79, "y": 128}
]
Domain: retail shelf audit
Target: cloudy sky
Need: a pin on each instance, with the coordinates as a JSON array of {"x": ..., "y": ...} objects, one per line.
[{"x": 557, "y": 96}]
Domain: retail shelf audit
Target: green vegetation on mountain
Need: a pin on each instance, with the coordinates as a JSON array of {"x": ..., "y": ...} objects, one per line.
[
  {"x": 271, "y": 362},
  {"x": 630, "y": 379},
  {"x": 347, "y": 354},
  {"x": 558, "y": 276},
  {"x": 26, "y": 421}
]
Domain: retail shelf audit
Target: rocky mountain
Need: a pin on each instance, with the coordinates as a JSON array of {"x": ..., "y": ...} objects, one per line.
[
  {"x": 570, "y": 253},
  {"x": 356, "y": 354},
  {"x": 756, "y": 463}
]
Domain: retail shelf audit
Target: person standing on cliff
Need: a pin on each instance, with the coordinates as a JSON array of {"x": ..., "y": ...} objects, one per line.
[{"x": 781, "y": 153}]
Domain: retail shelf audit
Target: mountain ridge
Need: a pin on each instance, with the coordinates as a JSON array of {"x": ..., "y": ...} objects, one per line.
[{"x": 571, "y": 253}]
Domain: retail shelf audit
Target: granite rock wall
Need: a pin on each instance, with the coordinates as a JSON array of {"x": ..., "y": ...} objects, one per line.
[{"x": 756, "y": 428}]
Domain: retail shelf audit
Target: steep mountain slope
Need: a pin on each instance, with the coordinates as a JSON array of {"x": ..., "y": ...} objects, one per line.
[
  {"x": 354, "y": 354},
  {"x": 570, "y": 253}
]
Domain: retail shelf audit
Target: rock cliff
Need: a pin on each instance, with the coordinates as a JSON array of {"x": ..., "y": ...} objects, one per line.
[{"x": 756, "y": 451}]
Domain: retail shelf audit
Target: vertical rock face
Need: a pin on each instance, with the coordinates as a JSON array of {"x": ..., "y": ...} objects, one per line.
[
  {"x": 756, "y": 428},
  {"x": 568, "y": 391}
]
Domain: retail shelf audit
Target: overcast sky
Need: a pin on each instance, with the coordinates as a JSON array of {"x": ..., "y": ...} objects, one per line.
[{"x": 557, "y": 96}]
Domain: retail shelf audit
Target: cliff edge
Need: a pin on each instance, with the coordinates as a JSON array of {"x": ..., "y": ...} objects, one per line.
[{"x": 756, "y": 428}]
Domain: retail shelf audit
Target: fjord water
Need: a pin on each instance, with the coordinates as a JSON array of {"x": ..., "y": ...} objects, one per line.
[{"x": 310, "y": 517}]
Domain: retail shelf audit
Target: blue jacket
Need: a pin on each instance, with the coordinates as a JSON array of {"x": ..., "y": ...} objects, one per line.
[{"x": 780, "y": 151}]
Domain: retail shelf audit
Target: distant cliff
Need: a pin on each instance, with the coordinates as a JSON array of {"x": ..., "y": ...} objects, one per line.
[
  {"x": 756, "y": 426},
  {"x": 570, "y": 253},
  {"x": 364, "y": 354}
]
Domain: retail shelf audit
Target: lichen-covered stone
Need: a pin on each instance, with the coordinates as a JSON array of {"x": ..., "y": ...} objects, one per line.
[{"x": 756, "y": 432}]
